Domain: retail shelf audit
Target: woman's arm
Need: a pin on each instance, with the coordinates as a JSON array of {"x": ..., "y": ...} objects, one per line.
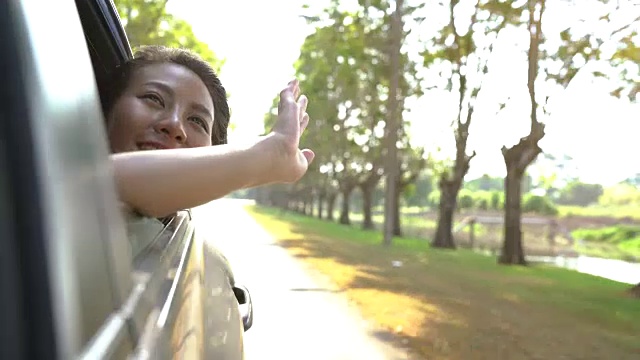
[{"x": 160, "y": 182}]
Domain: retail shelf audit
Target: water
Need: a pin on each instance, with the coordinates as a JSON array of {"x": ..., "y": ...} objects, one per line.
[{"x": 612, "y": 269}]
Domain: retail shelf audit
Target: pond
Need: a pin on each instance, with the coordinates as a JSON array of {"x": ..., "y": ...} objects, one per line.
[{"x": 613, "y": 269}]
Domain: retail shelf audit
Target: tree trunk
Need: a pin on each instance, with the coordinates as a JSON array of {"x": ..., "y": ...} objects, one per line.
[
  {"x": 321, "y": 199},
  {"x": 451, "y": 181},
  {"x": 635, "y": 291},
  {"x": 331, "y": 204},
  {"x": 367, "y": 204},
  {"x": 344, "y": 212},
  {"x": 393, "y": 122},
  {"x": 521, "y": 155},
  {"x": 448, "y": 197},
  {"x": 397, "y": 227},
  {"x": 309, "y": 210},
  {"x": 278, "y": 199},
  {"x": 512, "y": 250}
]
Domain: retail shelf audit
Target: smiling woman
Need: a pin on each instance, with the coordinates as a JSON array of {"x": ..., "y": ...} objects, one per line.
[
  {"x": 171, "y": 104},
  {"x": 159, "y": 87},
  {"x": 148, "y": 114}
]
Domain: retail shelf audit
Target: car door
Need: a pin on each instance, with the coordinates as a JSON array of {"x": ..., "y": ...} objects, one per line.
[
  {"x": 79, "y": 278},
  {"x": 66, "y": 258}
]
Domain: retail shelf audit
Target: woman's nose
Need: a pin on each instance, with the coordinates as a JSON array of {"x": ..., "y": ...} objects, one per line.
[{"x": 172, "y": 126}]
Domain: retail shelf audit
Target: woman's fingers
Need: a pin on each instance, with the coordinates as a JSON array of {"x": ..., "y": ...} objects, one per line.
[
  {"x": 308, "y": 155},
  {"x": 303, "y": 101},
  {"x": 304, "y": 122},
  {"x": 289, "y": 93},
  {"x": 296, "y": 88},
  {"x": 302, "y": 107}
]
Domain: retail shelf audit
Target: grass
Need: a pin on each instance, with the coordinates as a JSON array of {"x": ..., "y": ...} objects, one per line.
[
  {"x": 461, "y": 305},
  {"x": 618, "y": 212},
  {"x": 617, "y": 241}
]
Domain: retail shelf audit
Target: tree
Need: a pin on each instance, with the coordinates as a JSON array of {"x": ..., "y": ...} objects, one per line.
[
  {"x": 344, "y": 67},
  {"x": 417, "y": 194},
  {"x": 625, "y": 60},
  {"x": 147, "y": 22},
  {"x": 580, "y": 194},
  {"x": 577, "y": 50},
  {"x": 468, "y": 63},
  {"x": 339, "y": 68},
  {"x": 485, "y": 183},
  {"x": 411, "y": 165},
  {"x": 392, "y": 124},
  {"x": 521, "y": 155},
  {"x": 367, "y": 187}
]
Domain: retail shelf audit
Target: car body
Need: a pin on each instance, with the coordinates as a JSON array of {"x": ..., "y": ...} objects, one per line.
[{"x": 79, "y": 278}]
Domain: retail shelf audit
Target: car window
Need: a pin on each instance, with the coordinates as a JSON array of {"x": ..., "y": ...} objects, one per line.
[{"x": 156, "y": 248}]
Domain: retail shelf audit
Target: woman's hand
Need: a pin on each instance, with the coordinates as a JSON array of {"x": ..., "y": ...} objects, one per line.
[{"x": 289, "y": 161}]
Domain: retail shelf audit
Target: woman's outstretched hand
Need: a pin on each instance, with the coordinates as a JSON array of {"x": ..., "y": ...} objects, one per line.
[{"x": 290, "y": 161}]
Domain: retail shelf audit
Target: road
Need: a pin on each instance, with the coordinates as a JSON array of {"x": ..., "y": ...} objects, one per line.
[{"x": 297, "y": 315}]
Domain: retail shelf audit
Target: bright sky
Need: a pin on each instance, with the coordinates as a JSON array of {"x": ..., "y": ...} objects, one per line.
[{"x": 261, "y": 40}]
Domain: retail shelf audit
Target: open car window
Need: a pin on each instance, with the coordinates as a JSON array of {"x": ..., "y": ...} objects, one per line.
[{"x": 157, "y": 249}]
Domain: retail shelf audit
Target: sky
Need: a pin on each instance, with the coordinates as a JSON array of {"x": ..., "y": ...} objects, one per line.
[{"x": 261, "y": 40}]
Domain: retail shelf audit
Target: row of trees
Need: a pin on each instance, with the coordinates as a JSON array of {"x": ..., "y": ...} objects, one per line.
[
  {"x": 349, "y": 106},
  {"x": 359, "y": 79}
]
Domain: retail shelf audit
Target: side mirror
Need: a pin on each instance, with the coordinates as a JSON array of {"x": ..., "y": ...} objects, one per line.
[{"x": 245, "y": 305}]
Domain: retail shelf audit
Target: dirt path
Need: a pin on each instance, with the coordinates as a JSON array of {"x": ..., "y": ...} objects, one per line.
[{"x": 297, "y": 313}]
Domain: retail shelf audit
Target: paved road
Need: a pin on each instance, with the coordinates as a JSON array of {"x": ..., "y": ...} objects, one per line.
[{"x": 296, "y": 316}]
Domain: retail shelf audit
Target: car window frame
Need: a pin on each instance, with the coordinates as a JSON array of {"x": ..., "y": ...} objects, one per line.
[
  {"x": 157, "y": 250},
  {"x": 67, "y": 287}
]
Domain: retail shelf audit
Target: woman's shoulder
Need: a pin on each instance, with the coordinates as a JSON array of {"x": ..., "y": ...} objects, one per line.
[{"x": 141, "y": 229}]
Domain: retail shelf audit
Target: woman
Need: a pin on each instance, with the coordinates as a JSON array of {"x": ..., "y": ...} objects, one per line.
[{"x": 165, "y": 110}]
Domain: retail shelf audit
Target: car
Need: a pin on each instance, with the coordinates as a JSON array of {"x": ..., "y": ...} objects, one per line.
[{"x": 79, "y": 279}]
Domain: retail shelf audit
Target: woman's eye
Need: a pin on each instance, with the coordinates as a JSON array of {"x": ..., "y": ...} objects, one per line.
[
  {"x": 200, "y": 121},
  {"x": 153, "y": 97}
]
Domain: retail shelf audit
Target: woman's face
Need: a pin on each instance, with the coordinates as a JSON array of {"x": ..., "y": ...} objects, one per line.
[{"x": 165, "y": 106}]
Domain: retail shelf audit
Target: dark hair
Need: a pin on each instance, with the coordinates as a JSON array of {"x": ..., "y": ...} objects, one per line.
[{"x": 153, "y": 54}]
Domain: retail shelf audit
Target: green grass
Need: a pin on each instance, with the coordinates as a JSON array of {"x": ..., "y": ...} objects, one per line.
[
  {"x": 617, "y": 212},
  {"x": 460, "y": 304},
  {"x": 335, "y": 230},
  {"x": 411, "y": 222},
  {"x": 619, "y": 241}
]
